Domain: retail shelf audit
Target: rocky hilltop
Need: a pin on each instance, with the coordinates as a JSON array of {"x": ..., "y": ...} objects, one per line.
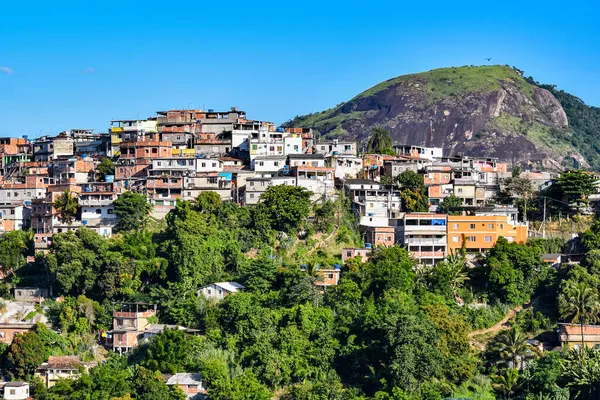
[{"x": 480, "y": 111}]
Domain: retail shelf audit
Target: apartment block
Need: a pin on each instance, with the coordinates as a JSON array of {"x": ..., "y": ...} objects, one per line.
[
  {"x": 480, "y": 231},
  {"x": 425, "y": 236}
]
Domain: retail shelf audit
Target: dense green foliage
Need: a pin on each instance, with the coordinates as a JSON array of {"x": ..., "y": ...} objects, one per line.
[
  {"x": 132, "y": 209},
  {"x": 390, "y": 329},
  {"x": 413, "y": 191},
  {"x": 380, "y": 142}
]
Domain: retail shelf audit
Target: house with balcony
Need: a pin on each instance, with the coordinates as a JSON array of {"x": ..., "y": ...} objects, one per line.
[
  {"x": 428, "y": 153},
  {"x": 306, "y": 160},
  {"x": 98, "y": 210},
  {"x": 256, "y": 186},
  {"x": 268, "y": 165},
  {"x": 372, "y": 199},
  {"x": 61, "y": 367},
  {"x": 129, "y": 324},
  {"x": 318, "y": 180},
  {"x": 336, "y": 148},
  {"x": 479, "y": 231},
  {"x": 345, "y": 166},
  {"x": 218, "y": 182},
  {"x": 14, "y": 216},
  {"x": 425, "y": 236}
]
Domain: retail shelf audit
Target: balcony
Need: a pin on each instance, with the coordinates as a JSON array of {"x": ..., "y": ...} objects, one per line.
[
  {"x": 424, "y": 228},
  {"x": 96, "y": 202},
  {"x": 427, "y": 254},
  {"x": 426, "y": 241}
]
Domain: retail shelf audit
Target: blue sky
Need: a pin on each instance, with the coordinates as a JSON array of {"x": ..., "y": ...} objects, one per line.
[{"x": 80, "y": 64}]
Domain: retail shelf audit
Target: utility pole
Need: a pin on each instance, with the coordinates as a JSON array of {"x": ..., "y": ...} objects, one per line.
[{"x": 544, "y": 220}]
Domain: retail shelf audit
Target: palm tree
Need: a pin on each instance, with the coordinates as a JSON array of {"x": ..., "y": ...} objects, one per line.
[
  {"x": 579, "y": 302},
  {"x": 506, "y": 383},
  {"x": 511, "y": 346},
  {"x": 459, "y": 275},
  {"x": 66, "y": 206}
]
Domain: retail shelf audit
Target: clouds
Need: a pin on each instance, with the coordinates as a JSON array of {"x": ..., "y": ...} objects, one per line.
[
  {"x": 7, "y": 71},
  {"x": 88, "y": 70}
]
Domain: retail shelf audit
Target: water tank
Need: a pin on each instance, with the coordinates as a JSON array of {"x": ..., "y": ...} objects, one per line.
[
  {"x": 337, "y": 266},
  {"x": 335, "y": 153},
  {"x": 25, "y": 136},
  {"x": 280, "y": 130},
  {"x": 368, "y": 245},
  {"x": 109, "y": 178},
  {"x": 84, "y": 222},
  {"x": 211, "y": 110},
  {"x": 84, "y": 155}
]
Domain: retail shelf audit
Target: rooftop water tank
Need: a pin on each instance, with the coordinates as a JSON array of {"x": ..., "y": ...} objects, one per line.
[
  {"x": 211, "y": 110},
  {"x": 368, "y": 245}
]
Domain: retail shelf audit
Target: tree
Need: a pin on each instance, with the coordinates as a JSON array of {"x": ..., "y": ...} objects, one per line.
[
  {"x": 208, "y": 202},
  {"x": 506, "y": 383},
  {"x": 167, "y": 352},
  {"x": 325, "y": 217},
  {"x": 581, "y": 371},
  {"x": 579, "y": 302},
  {"x": 511, "y": 346},
  {"x": 149, "y": 385},
  {"x": 132, "y": 210},
  {"x": 285, "y": 207},
  {"x": 413, "y": 191},
  {"x": 448, "y": 276},
  {"x": 380, "y": 142},
  {"x": 450, "y": 205},
  {"x": 105, "y": 167},
  {"x": 25, "y": 354},
  {"x": 66, "y": 206},
  {"x": 15, "y": 246}
]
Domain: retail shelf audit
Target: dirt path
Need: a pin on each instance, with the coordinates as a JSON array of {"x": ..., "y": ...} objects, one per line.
[
  {"x": 503, "y": 323},
  {"x": 322, "y": 241}
]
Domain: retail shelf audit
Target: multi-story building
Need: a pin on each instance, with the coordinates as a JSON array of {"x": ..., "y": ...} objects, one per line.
[
  {"x": 318, "y": 180},
  {"x": 14, "y": 216},
  {"x": 306, "y": 160},
  {"x": 336, "y": 148},
  {"x": 256, "y": 186},
  {"x": 480, "y": 231},
  {"x": 425, "y": 236},
  {"x": 345, "y": 166},
  {"x": 128, "y": 324},
  {"x": 373, "y": 199},
  {"x": 268, "y": 165},
  {"x": 218, "y": 182},
  {"x": 429, "y": 153},
  {"x": 378, "y": 235},
  {"x": 50, "y": 148}
]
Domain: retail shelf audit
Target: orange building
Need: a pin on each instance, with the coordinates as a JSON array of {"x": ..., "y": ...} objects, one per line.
[{"x": 482, "y": 230}]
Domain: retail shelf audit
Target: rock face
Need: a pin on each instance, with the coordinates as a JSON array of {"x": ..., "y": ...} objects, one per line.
[{"x": 480, "y": 111}]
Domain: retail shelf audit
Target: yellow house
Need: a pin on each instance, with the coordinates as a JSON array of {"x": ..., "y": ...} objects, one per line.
[{"x": 482, "y": 230}]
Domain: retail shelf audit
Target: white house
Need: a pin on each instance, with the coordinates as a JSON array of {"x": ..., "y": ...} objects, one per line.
[
  {"x": 269, "y": 164},
  {"x": 208, "y": 165},
  {"x": 306, "y": 160},
  {"x": 336, "y": 147},
  {"x": 191, "y": 384},
  {"x": 15, "y": 390},
  {"x": 220, "y": 290}
]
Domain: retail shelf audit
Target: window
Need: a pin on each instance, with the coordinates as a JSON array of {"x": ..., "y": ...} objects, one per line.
[
  {"x": 472, "y": 239},
  {"x": 208, "y": 291},
  {"x": 98, "y": 211},
  {"x": 487, "y": 239},
  {"x": 203, "y": 164},
  {"x": 472, "y": 226},
  {"x": 454, "y": 226},
  {"x": 110, "y": 211},
  {"x": 158, "y": 163},
  {"x": 165, "y": 181},
  {"x": 12, "y": 391},
  {"x": 329, "y": 276},
  {"x": 501, "y": 226},
  {"x": 2, "y": 334},
  {"x": 459, "y": 190},
  {"x": 261, "y": 163},
  {"x": 251, "y": 195},
  {"x": 490, "y": 226},
  {"x": 455, "y": 239},
  {"x": 154, "y": 150},
  {"x": 349, "y": 254}
]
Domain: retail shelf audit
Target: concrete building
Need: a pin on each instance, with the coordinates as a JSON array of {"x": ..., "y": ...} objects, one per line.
[
  {"x": 481, "y": 231},
  {"x": 429, "y": 153},
  {"x": 50, "y": 148},
  {"x": 270, "y": 165},
  {"x": 15, "y": 390},
  {"x": 425, "y": 236},
  {"x": 220, "y": 290},
  {"x": 318, "y": 180},
  {"x": 373, "y": 199},
  {"x": 336, "y": 147},
  {"x": 345, "y": 166},
  {"x": 349, "y": 253},
  {"x": 256, "y": 186},
  {"x": 128, "y": 324},
  {"x": 8, "y": 330},
  {"x": 306, "y": 160},
  {"x": 378, "y": 235},
  {"x": 218, "y": 182},
  {"x": 570, "y": 335},
  {"x": 14, "y": 216},
  {"x": 33, "y": 294},
  {"x": 61, "y": 367},
  {"x": 191, "y": 384}
]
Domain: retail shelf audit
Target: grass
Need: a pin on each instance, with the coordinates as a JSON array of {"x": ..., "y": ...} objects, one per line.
[
  {"x": 457, "y": 81},
  {"x": 540, "y": 134}
]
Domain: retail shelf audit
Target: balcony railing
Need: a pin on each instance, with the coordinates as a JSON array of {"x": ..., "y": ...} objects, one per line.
[{"x": 425, "y": 241}]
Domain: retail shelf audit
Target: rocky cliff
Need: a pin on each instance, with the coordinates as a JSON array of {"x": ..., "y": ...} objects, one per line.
[{"x": 480, "y": 111}]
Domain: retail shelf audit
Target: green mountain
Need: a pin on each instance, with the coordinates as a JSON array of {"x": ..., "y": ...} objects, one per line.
[{"x": 480, "y": 111}]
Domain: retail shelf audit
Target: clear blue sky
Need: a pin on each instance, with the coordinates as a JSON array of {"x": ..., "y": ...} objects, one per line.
[{"x": 80, "y": 64}]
